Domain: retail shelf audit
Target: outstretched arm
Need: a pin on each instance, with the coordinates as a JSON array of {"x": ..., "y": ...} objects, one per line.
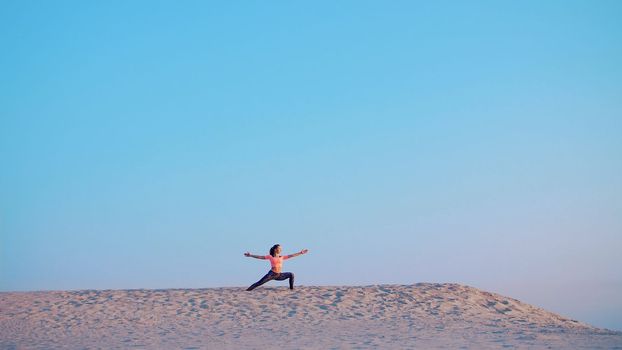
[
  {"x": 254, "y": 256},
  {"x": 304, "y": 251}
]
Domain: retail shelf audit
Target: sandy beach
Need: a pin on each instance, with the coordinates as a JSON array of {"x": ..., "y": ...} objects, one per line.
[{"x": 418, "y": 316}]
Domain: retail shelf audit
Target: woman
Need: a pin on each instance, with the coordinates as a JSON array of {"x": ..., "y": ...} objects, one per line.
[{"x": 276, "y": 261}]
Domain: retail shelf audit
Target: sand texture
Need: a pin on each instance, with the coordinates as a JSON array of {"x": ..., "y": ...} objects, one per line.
[{"x": 419, "y": 316}]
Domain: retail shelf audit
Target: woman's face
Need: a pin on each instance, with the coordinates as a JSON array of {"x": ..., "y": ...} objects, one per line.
[{"x": 278, "y": 250}]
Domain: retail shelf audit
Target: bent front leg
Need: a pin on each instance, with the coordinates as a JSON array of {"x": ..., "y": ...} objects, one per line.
[{"x": 286, "y": 275}]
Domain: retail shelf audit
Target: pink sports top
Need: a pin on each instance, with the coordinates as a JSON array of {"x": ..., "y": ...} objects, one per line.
[{"x": 277, "y": 263}]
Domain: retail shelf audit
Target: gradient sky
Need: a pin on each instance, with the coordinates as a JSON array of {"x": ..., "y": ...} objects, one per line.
[{"x": 150, "y": 144}]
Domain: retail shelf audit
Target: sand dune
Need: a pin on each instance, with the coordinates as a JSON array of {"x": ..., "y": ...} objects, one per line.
[{"x": 384, "y": 316}]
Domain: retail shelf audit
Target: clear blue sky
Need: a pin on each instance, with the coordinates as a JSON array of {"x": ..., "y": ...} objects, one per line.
[{"x": 150, "y": 144}]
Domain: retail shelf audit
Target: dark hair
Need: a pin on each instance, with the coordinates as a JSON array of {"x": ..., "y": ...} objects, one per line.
[{"x": 273, "y": 249}]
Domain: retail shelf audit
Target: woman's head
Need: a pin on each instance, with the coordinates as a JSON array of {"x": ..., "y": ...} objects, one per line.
[{"x": 276, "y": 249}]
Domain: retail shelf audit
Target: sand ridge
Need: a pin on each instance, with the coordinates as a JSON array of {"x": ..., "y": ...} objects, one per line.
[{"x": 423, "y": 315}]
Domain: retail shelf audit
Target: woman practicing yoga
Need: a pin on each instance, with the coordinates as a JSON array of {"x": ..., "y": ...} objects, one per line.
[{"x": 276, "y": 260}]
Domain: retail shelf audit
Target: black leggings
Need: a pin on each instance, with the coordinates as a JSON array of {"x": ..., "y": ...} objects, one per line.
[{"x": 271, "y": 275}]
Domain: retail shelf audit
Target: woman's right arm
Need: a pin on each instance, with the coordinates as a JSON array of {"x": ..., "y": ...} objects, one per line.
[{"x": 254, "y": 256}]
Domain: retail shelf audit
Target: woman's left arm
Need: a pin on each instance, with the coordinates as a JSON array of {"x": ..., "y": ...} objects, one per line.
[{"x": 304, "y": 251}]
